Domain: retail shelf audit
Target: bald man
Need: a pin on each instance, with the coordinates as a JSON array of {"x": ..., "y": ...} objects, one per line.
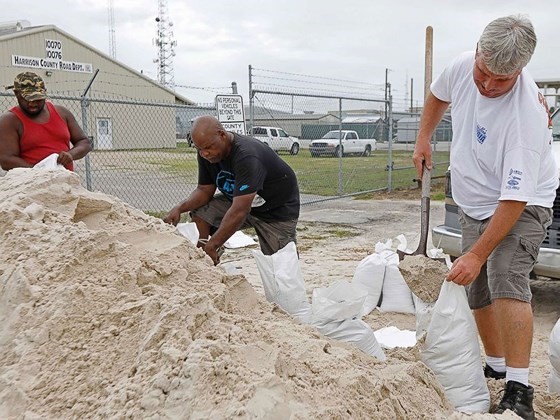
[{"x": 257, "y": 189}]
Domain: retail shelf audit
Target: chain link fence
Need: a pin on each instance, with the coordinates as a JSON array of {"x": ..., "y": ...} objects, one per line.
[
  {"x": 380, "y": 159},
  {"x": 142, "y": 153}
]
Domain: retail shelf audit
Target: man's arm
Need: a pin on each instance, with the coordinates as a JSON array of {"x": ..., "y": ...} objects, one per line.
[
  {"x": 198, "y": 198},
  {"x": 467, "y": 267},
  {"x": 232, "y": 221},
  {"x": 431, "y": 116},
  {"x": 78, "y": 138},
  {"x": 9, "y": 143}
]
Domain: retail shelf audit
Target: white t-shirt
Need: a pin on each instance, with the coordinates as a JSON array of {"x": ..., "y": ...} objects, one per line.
[{"x": 502, "y": 147}]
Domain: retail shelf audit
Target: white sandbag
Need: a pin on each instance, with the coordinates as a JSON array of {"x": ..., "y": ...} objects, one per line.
[
  {"x": 452, "y": 351},
  {"x": 189, "y": 231},
  {"x": 554, "y": 382},
  {"x": 50, "y": 162},
  {"x": 283, "y": 282},
  {"x": 423, "y": 312},
  {"x": 237, "y": 240},
  {"x": 356, "y": 332},
  {"x": 340, "y": 301},
  {"x": 369, "y": 275},
  {"x": 554, "y": 355},
  {"x": 397, "y": 296},
  {"x": 391, "y": 337}
]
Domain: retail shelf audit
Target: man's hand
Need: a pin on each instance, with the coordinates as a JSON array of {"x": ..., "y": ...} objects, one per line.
[
  {"x": 210, "y": 249},
  {"x": 173, "y": 217},
  {"x": 465, "y": 269},
  {"x": 64, "y": 159}
]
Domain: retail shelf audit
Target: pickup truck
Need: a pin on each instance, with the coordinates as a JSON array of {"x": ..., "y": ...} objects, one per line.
[
  {"x": 277, "y": 139},
  {"x": 341, "y": 142},
  {"x": 448, "y": 235}
]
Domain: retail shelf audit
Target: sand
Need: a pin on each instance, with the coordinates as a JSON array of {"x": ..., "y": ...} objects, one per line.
[
  {"x": 106, "y": 312},
  {"x": 423, "y": 276}
]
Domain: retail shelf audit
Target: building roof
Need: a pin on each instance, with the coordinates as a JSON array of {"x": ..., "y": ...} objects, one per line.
[
  {"x": 548, "y": 83},
  {"x": 9, "y": 32}
]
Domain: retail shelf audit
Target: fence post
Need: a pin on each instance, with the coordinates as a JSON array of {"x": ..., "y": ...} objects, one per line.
[
  {"x": 340, "y": 180},
  {"x": 389, "y": 105},
  {"x": 251, "y": 100},
  {"x": 84, "y": 104}
]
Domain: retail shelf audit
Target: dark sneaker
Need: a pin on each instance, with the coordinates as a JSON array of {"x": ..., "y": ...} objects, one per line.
[
  {"x": 519, "y": 399},
  {"x": 491, "y": 373}
]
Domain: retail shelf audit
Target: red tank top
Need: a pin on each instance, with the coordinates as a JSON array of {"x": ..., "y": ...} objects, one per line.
[{"x": 41, "y": 140}]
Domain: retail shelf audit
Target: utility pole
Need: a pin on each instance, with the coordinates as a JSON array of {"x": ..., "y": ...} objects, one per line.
[{"x": 411, "y": 94}]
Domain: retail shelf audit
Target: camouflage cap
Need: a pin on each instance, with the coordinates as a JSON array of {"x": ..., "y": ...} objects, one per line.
[{"x": 30, "y": 86}]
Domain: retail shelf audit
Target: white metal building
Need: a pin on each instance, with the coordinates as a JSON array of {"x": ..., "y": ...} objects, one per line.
[{"x": 68, "y": 65}]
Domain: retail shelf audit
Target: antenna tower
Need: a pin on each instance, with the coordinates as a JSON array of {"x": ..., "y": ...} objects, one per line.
[
  {"x": 112, "y": 42},
  {"x": 166, "y": 47}
]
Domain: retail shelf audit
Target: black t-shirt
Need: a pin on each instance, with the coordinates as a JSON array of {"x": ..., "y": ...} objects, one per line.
[{"x": 252, "y": 167}]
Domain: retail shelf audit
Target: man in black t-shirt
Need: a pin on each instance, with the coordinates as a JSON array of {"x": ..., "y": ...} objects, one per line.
[{"x": 257, "y": 188}]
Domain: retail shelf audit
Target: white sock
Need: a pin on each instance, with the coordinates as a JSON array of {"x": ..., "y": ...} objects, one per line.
[
  {"x": 496, "y": 363},
  {"x": 520, "y": 375}
]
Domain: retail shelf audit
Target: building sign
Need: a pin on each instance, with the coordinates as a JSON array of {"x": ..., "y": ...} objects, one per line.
[
  {"x": 231, "y": 113},
  {"x": 53, "y": 49},
  {"x": 52, "y": 60},
  {"x": 50, "y": 64}
]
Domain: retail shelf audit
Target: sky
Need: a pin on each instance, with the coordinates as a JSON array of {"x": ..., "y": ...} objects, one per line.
[{"x": 344, "y": 43}]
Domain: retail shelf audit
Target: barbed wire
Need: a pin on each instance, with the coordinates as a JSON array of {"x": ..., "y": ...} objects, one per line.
[{"x": 315, "y": 77}]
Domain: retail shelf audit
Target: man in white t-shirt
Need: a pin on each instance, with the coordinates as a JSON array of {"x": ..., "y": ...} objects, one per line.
[{"x": 504, "y": 181}]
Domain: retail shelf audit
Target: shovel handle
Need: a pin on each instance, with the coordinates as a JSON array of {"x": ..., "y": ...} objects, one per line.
[
  {"x": 424, "y": 210},
  {"x": 426, "y": 180}
]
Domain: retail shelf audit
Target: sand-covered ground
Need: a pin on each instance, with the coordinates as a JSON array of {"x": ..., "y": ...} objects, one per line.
[{"x": 108, "y": 313}]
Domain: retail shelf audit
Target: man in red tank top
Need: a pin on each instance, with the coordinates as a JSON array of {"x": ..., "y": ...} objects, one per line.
[{"x": 35, "y": 129}]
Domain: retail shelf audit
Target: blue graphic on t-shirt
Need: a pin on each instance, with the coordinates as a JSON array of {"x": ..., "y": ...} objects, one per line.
[
  {"x": 514, "y": 178},
  {"x": 225, "y": 181},
  {"x": 243, "y": 187},
  {"x": 480, "y": 133}
]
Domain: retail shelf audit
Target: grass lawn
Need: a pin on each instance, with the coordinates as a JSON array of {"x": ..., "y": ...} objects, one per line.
[{"x": 324, "y": 176}]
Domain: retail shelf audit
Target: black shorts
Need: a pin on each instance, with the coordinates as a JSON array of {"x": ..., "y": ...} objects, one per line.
[{"x": 273, "y": 236}]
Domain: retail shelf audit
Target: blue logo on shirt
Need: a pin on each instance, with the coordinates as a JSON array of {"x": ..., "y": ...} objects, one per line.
[
  {"x": 480, "y": 133},
  {"x": 514, "y": 178},
  {"x": 225, "y": 181},
  {"x": 243, "y": 187}
]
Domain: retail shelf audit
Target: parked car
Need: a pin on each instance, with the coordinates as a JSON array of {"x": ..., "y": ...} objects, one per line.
[
  {"x": 277, "y": 139},
  {"x": 341, "y": 142},
  {"x": 448, "y": 235}
]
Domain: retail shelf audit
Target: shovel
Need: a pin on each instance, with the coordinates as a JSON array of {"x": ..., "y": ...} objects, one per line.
[
  {"x": 424, "y": 218},
  {"x": 423, "y": 276}
]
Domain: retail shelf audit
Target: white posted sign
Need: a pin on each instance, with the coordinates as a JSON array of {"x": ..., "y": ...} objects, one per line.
[{"x": 231, "y": 113}]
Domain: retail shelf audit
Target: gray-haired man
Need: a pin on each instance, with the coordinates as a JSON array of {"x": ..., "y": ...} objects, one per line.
[{"x": 504, "y": 180}]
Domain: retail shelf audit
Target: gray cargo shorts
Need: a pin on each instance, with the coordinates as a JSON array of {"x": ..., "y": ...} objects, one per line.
[
  {"x": 273, "y": 236},
  {"x": 506, "y": 272}
]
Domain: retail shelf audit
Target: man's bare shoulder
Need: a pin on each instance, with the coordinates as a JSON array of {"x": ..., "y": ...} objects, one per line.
[{"x": 8, "y": 119}]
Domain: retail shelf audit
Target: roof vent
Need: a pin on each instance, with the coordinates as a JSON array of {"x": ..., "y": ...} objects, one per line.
[{"x": 17, "y": 25}]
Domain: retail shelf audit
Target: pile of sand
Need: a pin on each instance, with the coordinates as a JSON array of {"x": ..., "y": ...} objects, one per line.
[{"x": 107, "y": 312}]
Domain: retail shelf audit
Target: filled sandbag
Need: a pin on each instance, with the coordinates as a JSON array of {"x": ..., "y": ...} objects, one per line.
[
  {"x": 355, "y": 332},
  {"x": 554, "y": 355},
  {"x": 369, "y": 275},
  {"x": 452, "y": 351},
  {"x": 338, "y": 302},
  {"x": 396, "y": 295},
  {"x": 283, "y": 282}
]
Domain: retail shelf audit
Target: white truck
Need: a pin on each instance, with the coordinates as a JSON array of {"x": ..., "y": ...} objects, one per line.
[
  {"x": 341, "y": 142},
  {"x": 277, "y": 139}
]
